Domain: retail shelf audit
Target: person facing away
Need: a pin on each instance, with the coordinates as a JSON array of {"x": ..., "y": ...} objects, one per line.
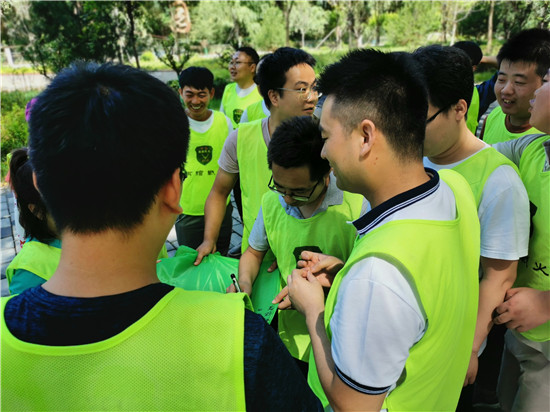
[
  {"x": 39, "y": 257},
  {"x": 501, "y": 198},
  {"x": 108, "y": 144},
  {"x": 522, "y": 63},
  {"x": 304, "y": 210},
  {"x": 242, "y": 92},
  {"x": 209, "y": 129},
  {"x": 287, "y": 83},
  {"x": 258, "y": 110},
  {"x": 397, "y": 327},
  {"x": 525, "y": 371}
]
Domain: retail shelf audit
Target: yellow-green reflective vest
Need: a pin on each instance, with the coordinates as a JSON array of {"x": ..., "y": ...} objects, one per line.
[
  {"x": 534, "y": 271},
  {"x": 478, "y": 167},
  {"x": 186, "y": 353},
  {"x": 496, "y": 131},
  {"x": 441, "y": 259},
  {"x": 256, "y": 111},
  {"x": 473, "y": 112},
  {"x": 234, "y": 106},
  {"x": 202, "y": 165},
  {"x": 253, "y": 171},
  {"x": 36, "y": 257},
  {"x": 326, "y": 232}
]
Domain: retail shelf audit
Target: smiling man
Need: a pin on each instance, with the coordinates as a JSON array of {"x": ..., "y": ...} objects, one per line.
[
  {"x": 287, "y": 83},
  {"x": 209, "y": 129},
  {"x": 242, "y": 92},
  {"x": 523, "y": 61}
]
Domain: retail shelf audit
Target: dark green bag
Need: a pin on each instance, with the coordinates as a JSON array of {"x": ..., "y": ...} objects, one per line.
[{"x": 213, "y": 274}]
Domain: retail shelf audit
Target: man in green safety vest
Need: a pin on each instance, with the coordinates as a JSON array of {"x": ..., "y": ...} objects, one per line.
[
  {"x": 108, "y": 145},
  {"x": 287, "y": 83},
  {"x": 397, "y": 327}
]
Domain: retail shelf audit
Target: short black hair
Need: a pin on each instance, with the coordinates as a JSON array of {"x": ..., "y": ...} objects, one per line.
[
  {"x": 35, "y": 222},
  {"x": 528, "y": 46},
  {"x": 104, "y": 139},
  {"x": 472, "y": 50},
  {"x": 250, "y": 52},
  {"x": 198, "y": 77},
  {"x": 297, "y": 142},
  {"x": 448, "y": 74},
  {"x": 271, "y": 74},
  {"x": 388, "y": 89}
]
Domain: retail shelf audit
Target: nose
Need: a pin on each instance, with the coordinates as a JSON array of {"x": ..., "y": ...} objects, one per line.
[
  {"x": 507, "y": 88},
  {"x": 324, "y": 151}
]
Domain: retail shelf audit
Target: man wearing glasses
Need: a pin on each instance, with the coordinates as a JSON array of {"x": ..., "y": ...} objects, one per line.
[
  {"x": 240, "y": 94},
  {"x": 305, "y": 210},
  {"x": 287, "y": 84}
]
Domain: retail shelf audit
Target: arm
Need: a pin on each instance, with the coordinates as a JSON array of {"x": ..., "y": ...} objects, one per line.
[
  {"x": 308, "y": 298},
  {"x": 524, "y": 309},
  {"x": 249, "y": 265},
  {"x": 214, "y": 210},
  {"x": 498, "y": 276}
]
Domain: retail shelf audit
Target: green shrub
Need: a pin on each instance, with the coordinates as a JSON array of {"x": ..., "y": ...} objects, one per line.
[
  {"x": 19, "y": 98},
  {"x": 14, "y": 131}
]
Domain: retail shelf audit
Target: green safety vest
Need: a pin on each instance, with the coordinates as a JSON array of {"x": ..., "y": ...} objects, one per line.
[
  {"x": 478, "y": 167},
  {"x": 35, "y": 257},
  {"x": 256, "y": 111},
  {"x": 202, "y": 165},
  {"x": 234, "y": 106},
  {"x": 288, "y": 236},
  {"x": 534, "y": 270},
  {"x": 496, "y": 131},
  {"x": 186, "y": 353},
  {"x": 441, "y": 259},
  {"x": 473, "y": 112},
  {"x": 253, "y": 171}
]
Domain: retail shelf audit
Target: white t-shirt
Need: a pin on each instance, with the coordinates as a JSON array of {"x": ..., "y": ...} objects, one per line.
[{"x": 204, "y": 126}]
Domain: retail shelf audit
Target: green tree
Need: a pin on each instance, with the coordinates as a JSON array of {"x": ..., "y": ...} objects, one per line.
[
  {"x": 267, "y": 35},
  {"x": 418, "y": 17},
  {"x": 308, "y": 19}
]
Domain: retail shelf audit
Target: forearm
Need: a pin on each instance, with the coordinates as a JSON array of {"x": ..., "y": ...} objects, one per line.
[
  {"x": 214, "y": 211},
  {"x": 249, "y": 266}
]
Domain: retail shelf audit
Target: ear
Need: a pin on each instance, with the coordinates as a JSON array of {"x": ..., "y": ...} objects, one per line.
[
  {"x": 171, "y": 193},
  {"x": 273, "y": 97},
  {"x": 368, "y": 132},
  {"x": 212, "y": 93},
  {"x": 181, "y": 92},
  {"x": 253, "y": 68},
  {"x": 460, "y": 109},
  {"x": 34, "y": 183}
]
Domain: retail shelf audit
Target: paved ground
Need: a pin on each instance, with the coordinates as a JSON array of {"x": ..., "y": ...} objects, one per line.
[{"x": 10, "y": 246}]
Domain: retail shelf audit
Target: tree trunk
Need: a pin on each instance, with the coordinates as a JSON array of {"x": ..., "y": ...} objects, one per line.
[
  {"x": 130, "y": 11},
  {"x": 303, "y": 33},
  {"x": 490, "y": 28}
]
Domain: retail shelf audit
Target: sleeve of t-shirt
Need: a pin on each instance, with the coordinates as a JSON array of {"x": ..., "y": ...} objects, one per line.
[
  {"x": 376, "y": 321},
  {"x": 228, "y": 157},
  {"x": 513, "y": 149},
  {"x": 272, "y": 380},
  {"x": 258, "y": 236},
  {"x": 229, "y": 125},
  {"x": 23, "y": 279},
  {"x": 504, "y": 216}
]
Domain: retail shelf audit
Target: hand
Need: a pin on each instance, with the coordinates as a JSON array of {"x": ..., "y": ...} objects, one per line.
[
  {"x": 523, "y": 309},
  {"x": 205, "y": 248},
  {"x": 306, "y": 293},
  {"x": 282, "y": 299},
  {"x": 245, "y": 287},
  {"x": 324, "y": 267},
  {"x": 272, "y": 267},
  {"x": 471, "y": 373}
]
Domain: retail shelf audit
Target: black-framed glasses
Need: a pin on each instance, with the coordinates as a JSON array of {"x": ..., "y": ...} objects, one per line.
[
  {"x": 298, "y": 198},
  {"x": 432, "y": 118},
  {"x": 305, "y": 93},
  {"x": 183, "y": 173}
]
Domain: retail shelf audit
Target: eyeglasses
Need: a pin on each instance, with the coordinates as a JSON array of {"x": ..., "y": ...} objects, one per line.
[
  {"x": 305, "y": 93},
  {"x": 183, "y": 173},
  {"x": 298, "y": 198},
  {"x": 435, "y": 115},
  {"x": 236, "y": 63}
]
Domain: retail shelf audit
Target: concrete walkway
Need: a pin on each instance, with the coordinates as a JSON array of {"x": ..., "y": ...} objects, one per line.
[{"x": 10, "y": 246}]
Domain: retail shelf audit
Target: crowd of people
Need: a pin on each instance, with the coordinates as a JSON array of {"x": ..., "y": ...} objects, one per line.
[{"x": 412, "y": 239}]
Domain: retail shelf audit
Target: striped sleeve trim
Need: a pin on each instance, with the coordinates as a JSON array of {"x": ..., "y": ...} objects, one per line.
[{"x": 369, "y": 390}]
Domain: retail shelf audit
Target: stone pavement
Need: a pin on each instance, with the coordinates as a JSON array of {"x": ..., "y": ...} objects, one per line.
[{"x": 10, "y": 246}]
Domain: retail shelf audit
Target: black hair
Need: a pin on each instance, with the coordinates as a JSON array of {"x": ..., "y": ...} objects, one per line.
[
  {"x": 528, "y": 46},
  {"x": 250, "y": 52},
  {"x": 472, "y": 50},
  {"x": 103, "y": 140},
  {"x": 386, "y": 88},
  {"x": 271, "y": 74},
  {"x": 34, "y": 221},
  {"x": 198, "y": 77},
  {"x": 448, "y": 73},
  {"x": 298, "y": 142}
]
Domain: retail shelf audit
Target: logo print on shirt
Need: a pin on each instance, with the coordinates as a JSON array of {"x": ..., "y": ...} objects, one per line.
[{"x": 204, "y": 154}]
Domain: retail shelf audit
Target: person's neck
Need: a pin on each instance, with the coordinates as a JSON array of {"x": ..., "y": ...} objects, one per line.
[
  {"x": 466, "y": 144},
  {"x": 202, "y": 118},
  {"x": 309, "y": 209},
  {"x": 245, "y": 83},
  {"x": 274, "y": 120},
  {"x": 519, "y": 120},
  {"x": 105, "y": 263}
]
